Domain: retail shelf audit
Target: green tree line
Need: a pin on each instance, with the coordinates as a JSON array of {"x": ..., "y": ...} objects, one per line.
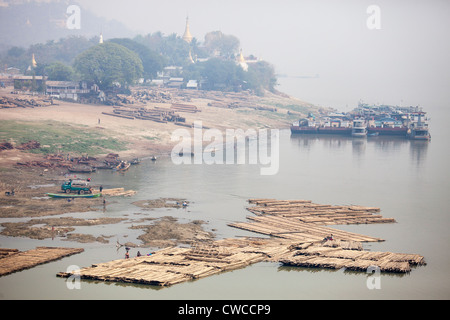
[{"x": 124, "y": 60}]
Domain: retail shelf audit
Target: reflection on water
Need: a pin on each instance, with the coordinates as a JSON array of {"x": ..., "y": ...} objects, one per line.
[
  {"x": 418, "y": 151},
  {"x": 392, "y": 173},
  {"x": 381, "y": 145}
]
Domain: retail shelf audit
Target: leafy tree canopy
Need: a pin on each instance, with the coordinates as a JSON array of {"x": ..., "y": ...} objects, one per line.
[
  {"x": 58, "y": 71},
  {"x": 172, "y": 47},
  {"x": 217, "y": 43},
  {"x": 152, "y": 62},
  {"x": 108, "y": 63}
]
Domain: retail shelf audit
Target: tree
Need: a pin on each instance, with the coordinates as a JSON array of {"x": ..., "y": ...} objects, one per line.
[
  {"x": 152, "y": 62},
  {"x": 224, "y": 45},
  {"x": 221, "y": 74},
  {"x": 107, "y": 63},
  {"x": 58, "y": 71},
  {"x": 172, "y": 47},
  {"x": 260, "y": 75}
]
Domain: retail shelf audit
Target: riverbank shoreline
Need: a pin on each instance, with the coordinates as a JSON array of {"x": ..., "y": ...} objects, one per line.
[{"x": 27, "y": 175}]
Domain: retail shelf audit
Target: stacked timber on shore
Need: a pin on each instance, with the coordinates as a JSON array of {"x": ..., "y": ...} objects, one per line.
[
  {"x": 17, "y": 261},
  {"x": 25, "y": 101},
  {"x": 184, "y": 108},
  {"x": 156, "y": 114}
]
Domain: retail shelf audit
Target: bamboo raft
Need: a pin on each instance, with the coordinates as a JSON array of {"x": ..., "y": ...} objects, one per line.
[
  {"x": 338, "y": 256},
  {"x": 14, "y": 260},
  {"x": 293, "y": 242},
  {"x": 116, "y": 192},
  {"x": 302, "y": 220},
  {"x": 175, "y": 265}
]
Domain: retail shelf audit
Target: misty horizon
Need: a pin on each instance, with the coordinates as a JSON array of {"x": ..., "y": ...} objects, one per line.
[{"x": 403, "y": 62}]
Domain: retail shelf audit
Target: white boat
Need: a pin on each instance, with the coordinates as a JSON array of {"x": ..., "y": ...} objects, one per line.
[
  {"x": 359, "y": 128},
  {"x": 418, "y": 130}
]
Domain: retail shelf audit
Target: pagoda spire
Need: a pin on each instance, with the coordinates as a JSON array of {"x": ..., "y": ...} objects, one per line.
[
  {"x": 241, "y": 61},
  {"x": 33, "y": 61},
  {"x": 187, "y": 34}
]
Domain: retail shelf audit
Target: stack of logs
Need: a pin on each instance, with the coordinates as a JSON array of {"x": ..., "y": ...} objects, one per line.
[
  {"x": 25, "y": 102},
  {"x": 303, "y": 220},
  {"x": 175, "y": 265},
  {"x": 156, "y": 114}
]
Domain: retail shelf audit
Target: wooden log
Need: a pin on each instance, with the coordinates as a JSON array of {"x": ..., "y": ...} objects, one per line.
[{"x": 34, "y": 257}]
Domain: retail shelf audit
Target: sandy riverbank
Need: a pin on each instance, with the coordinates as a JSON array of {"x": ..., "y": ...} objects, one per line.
[{"x": 142, "y": 138}]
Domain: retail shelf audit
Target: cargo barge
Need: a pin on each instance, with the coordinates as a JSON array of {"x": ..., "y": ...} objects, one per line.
[{"x": 368, "y": 121}]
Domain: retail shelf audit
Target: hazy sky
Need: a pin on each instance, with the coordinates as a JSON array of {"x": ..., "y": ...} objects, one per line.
[{"x": 407, "y": 59}]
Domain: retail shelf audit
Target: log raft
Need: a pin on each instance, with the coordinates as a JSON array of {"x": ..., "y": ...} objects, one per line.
[
  {"x": 16, "y": 260},
  {"x": 297, "y": 229},
  {"x": 175, "y": 265},
  {"x": 304, "y": 220}
]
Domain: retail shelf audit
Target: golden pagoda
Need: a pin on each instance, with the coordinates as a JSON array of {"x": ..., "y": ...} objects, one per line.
[
  {"x": 33, "y": 62},
  {"x": 241, "y": 61},
  {"x": 191, "y": 60},
  {"x": 187, "y": 34}
]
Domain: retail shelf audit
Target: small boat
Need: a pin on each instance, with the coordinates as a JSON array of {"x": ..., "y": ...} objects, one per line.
[
  {"x": 64, "y": 195},
  {"x": 123, "y": 166},
  {"x": 135, "y": 161},
  {"x": 373, "y": 134}
]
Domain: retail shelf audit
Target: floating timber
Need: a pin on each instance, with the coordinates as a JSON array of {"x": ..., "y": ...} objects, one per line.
[
  {"x": 289, "y": 228},
  {"x": 16, "y": 260},
  {"x": 293, "y": 242},
  {"x": 116, "y": 192},
  {"x": 303, "y": 220},
  {"x": 320, "y": 214},
  {"x": 340, "y": 255},
  {"x": 174, "y": 265}
]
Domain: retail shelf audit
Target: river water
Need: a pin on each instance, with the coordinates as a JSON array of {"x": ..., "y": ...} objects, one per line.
[{"x": 408, "y": 180}]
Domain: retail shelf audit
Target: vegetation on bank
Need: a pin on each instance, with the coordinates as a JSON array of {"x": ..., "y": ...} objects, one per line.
[
  {"x": 58, "y": 137},
  {"x": 124, "y": 61}
]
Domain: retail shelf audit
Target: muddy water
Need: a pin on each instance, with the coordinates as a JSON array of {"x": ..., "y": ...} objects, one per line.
[{"x": 408, "y": 180}]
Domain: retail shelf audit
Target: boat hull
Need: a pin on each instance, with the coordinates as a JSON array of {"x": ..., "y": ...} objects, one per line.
[
  {"x": 321, "y": 130},
  {"x": 65, "y": 195},
  {"x": 388, "y": 131},
  {"x": 303, "y": 130},
  {"x": 335, "y": 130}
]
